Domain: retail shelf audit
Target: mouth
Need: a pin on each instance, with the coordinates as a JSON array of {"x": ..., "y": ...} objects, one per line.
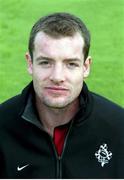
[{"x": 57, "y": 90}]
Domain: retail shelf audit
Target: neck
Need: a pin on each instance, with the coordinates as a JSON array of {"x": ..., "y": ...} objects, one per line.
[{"x": 53, "y": 117}]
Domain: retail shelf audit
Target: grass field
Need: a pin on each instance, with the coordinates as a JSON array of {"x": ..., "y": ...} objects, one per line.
[{"x": 104, "y": 18}]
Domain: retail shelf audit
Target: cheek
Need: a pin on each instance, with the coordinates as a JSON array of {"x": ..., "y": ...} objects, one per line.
[
  {"x": 40, "y": 75},
  {"x": 77, "y": 78},
  {"x": 77, "y": 83}
]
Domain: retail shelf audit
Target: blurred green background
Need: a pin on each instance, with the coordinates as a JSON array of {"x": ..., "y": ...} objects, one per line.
[{"x": 104, "y": 19}]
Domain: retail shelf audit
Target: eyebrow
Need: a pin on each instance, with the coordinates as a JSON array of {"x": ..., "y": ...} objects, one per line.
[
  {"x": 43, "y": 57},
  {"x": 50, "y": 59},
  {"x": 72, "y": 59}
]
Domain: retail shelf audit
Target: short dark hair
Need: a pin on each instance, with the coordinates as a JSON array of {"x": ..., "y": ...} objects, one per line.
[{"x": 57, "y": 25}]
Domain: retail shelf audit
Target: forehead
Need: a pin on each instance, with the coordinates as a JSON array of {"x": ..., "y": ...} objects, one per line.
[{"x": 47, "y": 45}]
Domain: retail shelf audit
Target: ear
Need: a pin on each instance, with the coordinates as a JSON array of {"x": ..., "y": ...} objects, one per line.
[
  {"x": 29, "y": 63},
  {"x": 86, "y": 66}
]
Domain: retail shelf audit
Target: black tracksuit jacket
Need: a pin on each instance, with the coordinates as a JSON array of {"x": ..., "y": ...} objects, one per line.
[{"x": 93, "y": 148}]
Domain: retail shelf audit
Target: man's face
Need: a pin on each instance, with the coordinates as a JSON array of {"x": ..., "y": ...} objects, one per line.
[{"x": 58, "y": 69}]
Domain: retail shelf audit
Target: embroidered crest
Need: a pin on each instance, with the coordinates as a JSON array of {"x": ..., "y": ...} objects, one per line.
[{"x": 103, "y": 155}]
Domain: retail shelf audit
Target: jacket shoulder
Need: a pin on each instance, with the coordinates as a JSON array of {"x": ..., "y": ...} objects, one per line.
[
  {"x": 13, "y": 107},
  {"x": 105, "y": 103},
  {"x": 10, "y": 107},
  {"x": 108, "y": 111},
  {"x": 15, "y": 103}
]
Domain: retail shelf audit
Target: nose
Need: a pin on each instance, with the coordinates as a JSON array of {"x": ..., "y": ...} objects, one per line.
[{"x": 57, "y": 74}]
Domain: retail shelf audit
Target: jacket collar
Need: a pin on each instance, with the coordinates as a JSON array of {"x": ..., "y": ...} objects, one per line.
[{"x": 86, "y": 105}]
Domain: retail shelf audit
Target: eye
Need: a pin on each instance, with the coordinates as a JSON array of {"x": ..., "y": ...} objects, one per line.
[
  {"x": 73, "y": 65},
  {"x": 44, "y": 63}
]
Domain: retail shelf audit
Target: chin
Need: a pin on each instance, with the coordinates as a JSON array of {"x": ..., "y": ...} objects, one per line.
[{"x": 57, "y": 105}]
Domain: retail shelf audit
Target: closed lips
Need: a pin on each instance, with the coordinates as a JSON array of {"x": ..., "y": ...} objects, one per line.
[{"x": 57, "y": 88}]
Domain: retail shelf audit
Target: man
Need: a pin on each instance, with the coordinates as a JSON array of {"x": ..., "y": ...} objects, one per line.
[{"x": 57, "y": 128}]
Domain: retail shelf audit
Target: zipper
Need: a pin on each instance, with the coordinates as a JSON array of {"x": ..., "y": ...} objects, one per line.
[
  {"x": 59, "y": 168},
  {"x": 66, "y": 138},
  {"x": 59, "y": 158}
]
